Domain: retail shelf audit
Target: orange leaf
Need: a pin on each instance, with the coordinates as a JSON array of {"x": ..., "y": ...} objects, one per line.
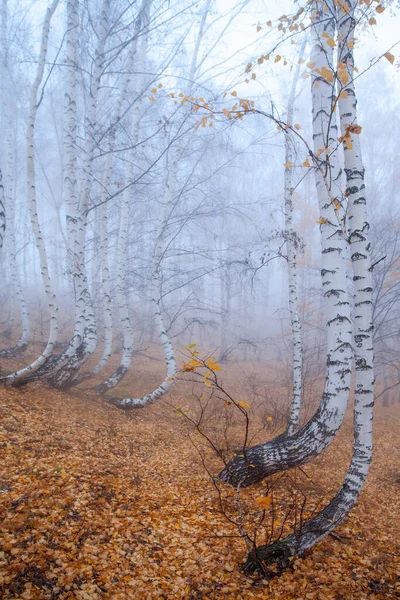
[
  {"x": 263, "y": 502},
  {"x": 389, "y": 56},
  {"x": 243, "y": 404}
]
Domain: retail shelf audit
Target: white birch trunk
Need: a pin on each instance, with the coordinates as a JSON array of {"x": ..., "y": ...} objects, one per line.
[
  {"x": 168, "y": 206},
  {"x": 2, "y": 211},
  {"x": 16, "y": 285},
  {"x": 7, "y": 194},
  {"x": 31, "y": 185},
  {"x": 136, "y": 58},
  {"x": 3, "y": 72},
  {"x": 105, "y": 273},
  {"x": 84, "y": 340},
  {"x": 331, "y": 516},
  {"x": 291, "y": 246},
  {"x": 285, "y": 452}
]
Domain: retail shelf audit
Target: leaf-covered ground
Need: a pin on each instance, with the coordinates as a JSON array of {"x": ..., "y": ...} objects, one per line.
[{"x": 100, "y": 503}]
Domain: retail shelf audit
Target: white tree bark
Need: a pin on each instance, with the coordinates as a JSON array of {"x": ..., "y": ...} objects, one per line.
[
  {"x": 173, "y": 157},
  {"x": 7, "y": 193},
  {"x": 31, "y": 185},
  {"x": 2, "y": 211},
  {"x": 136, "y": 59},
  {"x": 84, "y": 341},
  {"x": 285, "y": 452},
  {"x": 330, "y": 517},
  {"x": 291, "y": 247},
  {"x": 163, "y": 336},
  {"x": 105, "y": 272}
]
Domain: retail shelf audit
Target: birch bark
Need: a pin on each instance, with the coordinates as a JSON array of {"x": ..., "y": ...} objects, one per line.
[
  {"x": 31, "y": 185},
  {"x": 8, "y": 194},
  {"x": 84, "y": 341},
  {"x": 2, "y": 211},
  {"x": 136, "y": 59},
  {"x": 173, "y": 158},
  {"x": 291, "y": 246},
  {"x": 315, "y": 529},
  {"x": 285, "y": 452}
]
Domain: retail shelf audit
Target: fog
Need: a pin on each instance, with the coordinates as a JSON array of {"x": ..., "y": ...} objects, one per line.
[{"x": 178, "y": 201}]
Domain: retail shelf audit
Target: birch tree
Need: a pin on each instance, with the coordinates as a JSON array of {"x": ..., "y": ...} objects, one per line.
[
  {"x": 2, "y": 211},
  {"x": 136, "y": 60},
  {"x": 31, "y": 185},
  {"x": 265, "y": 459},
  {"x": 8, "y": 193},
  {"x": 292, "y": 243},
  {"x": 357, "y": 227},
  {"x": 169, "y": 202}
]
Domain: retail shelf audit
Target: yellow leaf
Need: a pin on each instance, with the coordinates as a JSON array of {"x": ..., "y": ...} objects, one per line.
[
  {"x": 343, "y": 76},
  {"x": 306, "y": 163},
  {"x": 243, "y": 404},
  {"x": 357, "y": 129},
  {"x": 337, "y": 205},
  {"x": 379, "y": 9},
  {"x": 287, "y": 165},
  {"x": 211, "y": 364},
  {"x": 207, "y": 383},
  {"x": 322, "y": 221},
  {"x": 343, "y": 94},
  {"x": 331, "y": 42},
  {"x": 154, "y": 90},
  {"x": 152, "y": 99},
  {"x": 254, "y": 75},
  {"x": 233, "y": 93},
  {"x": 263, "y": 502},
  {"x": 326, "y": 74},
  {"x": 277, "y": 58},
  {"x": 297, "y": 127},
  {"x": 372, "y": 21},
  {"x": 259, "y": 28},
  {"x": 389, "y": 57},
  {"x": 269, "y": 419},
  {"x": 311, "y": 65}
]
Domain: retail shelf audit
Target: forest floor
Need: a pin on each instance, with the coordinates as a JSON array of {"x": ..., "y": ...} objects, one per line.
[{"x": 102, "y": 503}]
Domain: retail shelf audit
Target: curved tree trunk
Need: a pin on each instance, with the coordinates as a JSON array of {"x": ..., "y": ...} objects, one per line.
[
  {"x": 7, "y": 195},
  {"x": 285, "y": 452},
  {"x": 31, "y": 184},
  {"x": 84, "y": 341},
  {"x": 136, "y": 59},
  {"x": 16, "y": 285},
  {"x": 315, "y": 529},
  {"x": 169, "y": 203},
  {"x": 291, "y": 246}
]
